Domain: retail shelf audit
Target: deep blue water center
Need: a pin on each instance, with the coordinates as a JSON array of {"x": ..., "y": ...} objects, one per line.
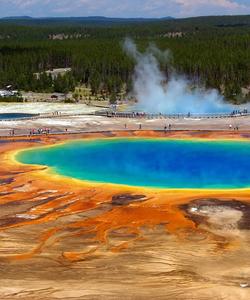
[{"x": 159, "y": 163}]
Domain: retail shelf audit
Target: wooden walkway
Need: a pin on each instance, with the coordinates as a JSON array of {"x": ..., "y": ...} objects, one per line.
[
  {"x": 168, "y": 116},
  {"x": 130, "y": 115}
]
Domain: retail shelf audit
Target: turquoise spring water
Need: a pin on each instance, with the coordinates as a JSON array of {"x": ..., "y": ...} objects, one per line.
[{"x": 158, "y": 163}]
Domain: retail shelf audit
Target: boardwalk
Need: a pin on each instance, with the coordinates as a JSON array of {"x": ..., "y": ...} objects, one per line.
[{"x": 136, "y": 115}]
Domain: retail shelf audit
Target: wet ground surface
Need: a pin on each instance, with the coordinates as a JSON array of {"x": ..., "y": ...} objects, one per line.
[
  {"x": 62, "y": 239},
  {"x": 200, "y": 211}
]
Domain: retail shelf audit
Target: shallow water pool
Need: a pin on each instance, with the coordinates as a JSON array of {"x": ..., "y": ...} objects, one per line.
[{"x": 161, "y": 163}]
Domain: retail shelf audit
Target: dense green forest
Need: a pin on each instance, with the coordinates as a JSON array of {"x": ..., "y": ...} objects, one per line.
[{"x": 213, "y": 51}]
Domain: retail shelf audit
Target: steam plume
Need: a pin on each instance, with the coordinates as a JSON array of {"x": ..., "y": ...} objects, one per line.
[{"x": 156, "y": 94}]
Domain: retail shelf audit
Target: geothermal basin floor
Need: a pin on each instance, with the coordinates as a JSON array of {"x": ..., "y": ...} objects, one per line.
[{"x": 68, "y": 239}]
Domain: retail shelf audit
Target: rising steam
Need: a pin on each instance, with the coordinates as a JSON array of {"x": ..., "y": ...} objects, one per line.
[{"x": 156, "y": 94}]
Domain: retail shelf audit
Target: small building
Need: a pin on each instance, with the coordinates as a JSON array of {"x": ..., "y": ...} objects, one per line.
[
  {"x": 54, "y": 73},
  {"x": 7, "y": 93}
]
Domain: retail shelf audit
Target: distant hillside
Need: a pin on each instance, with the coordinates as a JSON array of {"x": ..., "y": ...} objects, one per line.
[
  {"x": 101, "y": 20},
  {"x": 165, "y": 23},
  {"x": 17, "y": 18},
  {"x": 218, "y": 20}
]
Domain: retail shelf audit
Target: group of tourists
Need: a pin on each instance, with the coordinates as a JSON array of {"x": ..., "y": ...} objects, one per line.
[
  {"x": 239, "y": 112},
  {"x": 231, "y": 127},
  {"x": 56, "y": 113},
  {"x": 39, "y": 131},
  {"x": 12, "y": 132},
  {"x": 36, "y": 131},
  {"x": 167, "y": 128}
]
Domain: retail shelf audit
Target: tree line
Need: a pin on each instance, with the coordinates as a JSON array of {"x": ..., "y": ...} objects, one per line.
[{"x": 212, "y": 52}]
